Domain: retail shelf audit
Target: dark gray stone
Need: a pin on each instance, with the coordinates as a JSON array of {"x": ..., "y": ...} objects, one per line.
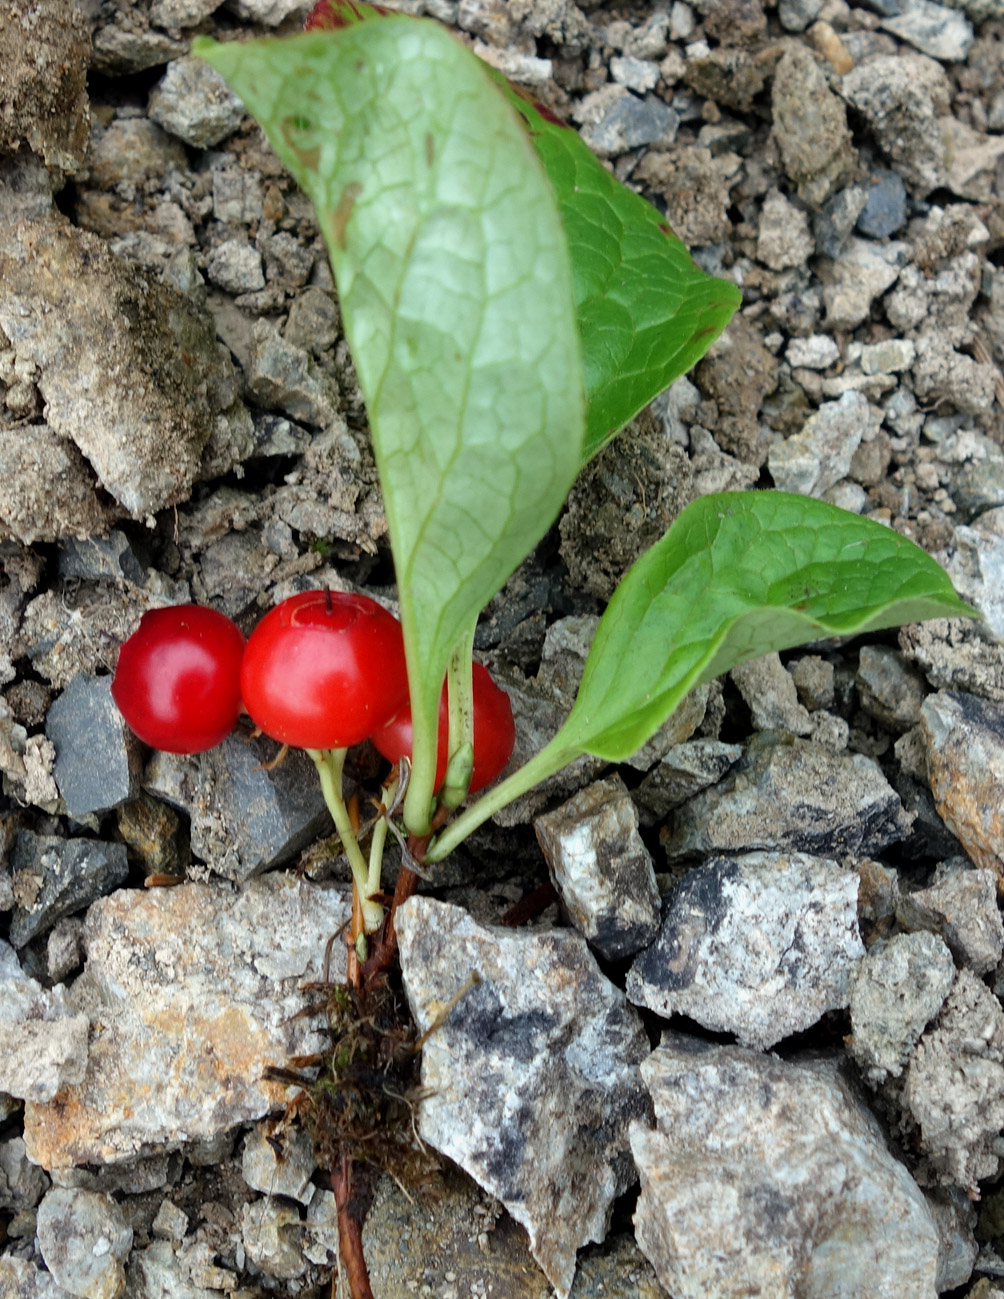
[
  {"x": 602, "y": 869},
  {"x": 791, "y": 796},
  {"x": 246, "y": 818},
  {"x": 683, "y": 772},
  {"x": 94, "y": 558},
  {"x": 97, "y": 756},
  {"x": 274, "y": 435},
  {"x": 837, "y": 220},
  {"x": 60, "y": 877},
  {"x": 884, "y": 211},
  {"x": 705, "y": 964},
  {"x": 532, "y": 1078},
  {"x": 614, "y": 120}
]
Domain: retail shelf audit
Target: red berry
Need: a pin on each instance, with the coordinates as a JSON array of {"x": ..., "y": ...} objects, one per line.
[
  {"x": 324, "y": 670},
  {"x": 177, "y": 682},
  {"x": 494, "y": 732}
]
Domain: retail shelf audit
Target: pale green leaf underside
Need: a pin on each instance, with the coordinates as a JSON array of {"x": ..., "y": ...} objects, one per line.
[
  {"x": 454, "y": 282},
  {"x": 738, "y": 575}
]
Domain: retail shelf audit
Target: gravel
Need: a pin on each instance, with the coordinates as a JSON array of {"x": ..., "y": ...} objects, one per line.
[{"x": 802, "y": 869}]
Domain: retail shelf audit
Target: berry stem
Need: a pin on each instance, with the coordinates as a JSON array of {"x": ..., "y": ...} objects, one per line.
[{"x": 330, "y": 764}]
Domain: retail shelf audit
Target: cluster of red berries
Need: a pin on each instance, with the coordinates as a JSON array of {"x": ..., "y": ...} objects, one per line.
[{"x": 322, "y": 670}]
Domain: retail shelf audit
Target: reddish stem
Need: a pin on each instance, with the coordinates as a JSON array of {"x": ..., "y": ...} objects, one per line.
[{"x": 351, "y": 1213}]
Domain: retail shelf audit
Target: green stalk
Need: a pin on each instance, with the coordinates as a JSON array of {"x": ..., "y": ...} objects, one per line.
[
  {"x": 460, "y": 697},
  {"x": 379, "y": 839},
  {"x": 330, "y": 764},
  {"x": 550, "y": 759}
]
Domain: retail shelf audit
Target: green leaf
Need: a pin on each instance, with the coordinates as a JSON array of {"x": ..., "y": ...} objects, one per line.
[
  {"x": 646, "y": 312},
  {"x": 455, "y": 288},
  {"x": 738, "y": 575}
]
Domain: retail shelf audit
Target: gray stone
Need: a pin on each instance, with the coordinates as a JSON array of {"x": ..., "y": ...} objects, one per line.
[
  {"x": 964, "y": 738},
  {"x": 902, "y": 97},
  {"x": 760, "y": 946},
  {"x": 810, "y": 126},
  {"x": 862, "y": 273},
  {"x": 288, "y": 260},
  {"x": 133, "y": 149},
  {"x": 129, "y": 369},
  {"x": 895, "y": 992},
  {"x": 940, "y": 302},
  {"x": 792, "y": 797},
  {"x": 837, "y": 218},
  {"x": 176, "y": 14},
  {"x": 961, "y": 906},
  {"x": 284, "y": 377},
  {"x": 193, "y": 102},
  {"x": 22, "y": 1279},
  {"x": 47, "y": 488},
  {"x": 170, "y": 1222},
  {"x": 274, "y": 435},
  {"x": 936, "y": 31},
  {"x": 941, "y": 374},
  {"x": 884, "y": 211},
  {"x": 247, "y": 818},
  {"x": 784, "y": 238},
  {"x": 43, "y": 1043},
  {"x": 55, "y": 877},
  {"x": 235, "y": 265},
  {"x": 313, "y": 320},
  {"x": 796, "y": 15},
  {"x": 685, "y": 770},
  {"x": 97, "y": 756},
  {"x": 22, "y": 1185},
  {"x": 287, "y": 1173},
  {"x": 613, "y": 120},
  {"x": 888, "y": 689},
  {"x": 888, "y": 357},
  {"x": 84, "y": 1239},
  {"x": 954, "y": 1086},
  {"x": 640, "y": 75},
  {"x": 770, "y": 1177},
  {"x": 270, "y": 1231},
  {"x": 771, "y": 696},
  {"x": 977, "y": 479},
  {"x": 602, "y": 869},
  {"x": 817, "y": 352},
  {"x": 977, "y": 570},
  {"x": 94, "y": 558},
  {"x": 268, "y": 12},
  {"x": 532, "y": 1077},
  {"x": 162, "y": 1271},
  {"x": 820, "y": 454},
  {"x": 957, "y": 654},
  {"x": 221, "y": 973},
  {"x": 64, "y": 952}
]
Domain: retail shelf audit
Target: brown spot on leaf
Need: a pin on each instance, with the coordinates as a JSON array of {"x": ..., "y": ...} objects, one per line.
[
  {"x": 308, "y": 158},
  {"x": 342, "y": 213}
]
